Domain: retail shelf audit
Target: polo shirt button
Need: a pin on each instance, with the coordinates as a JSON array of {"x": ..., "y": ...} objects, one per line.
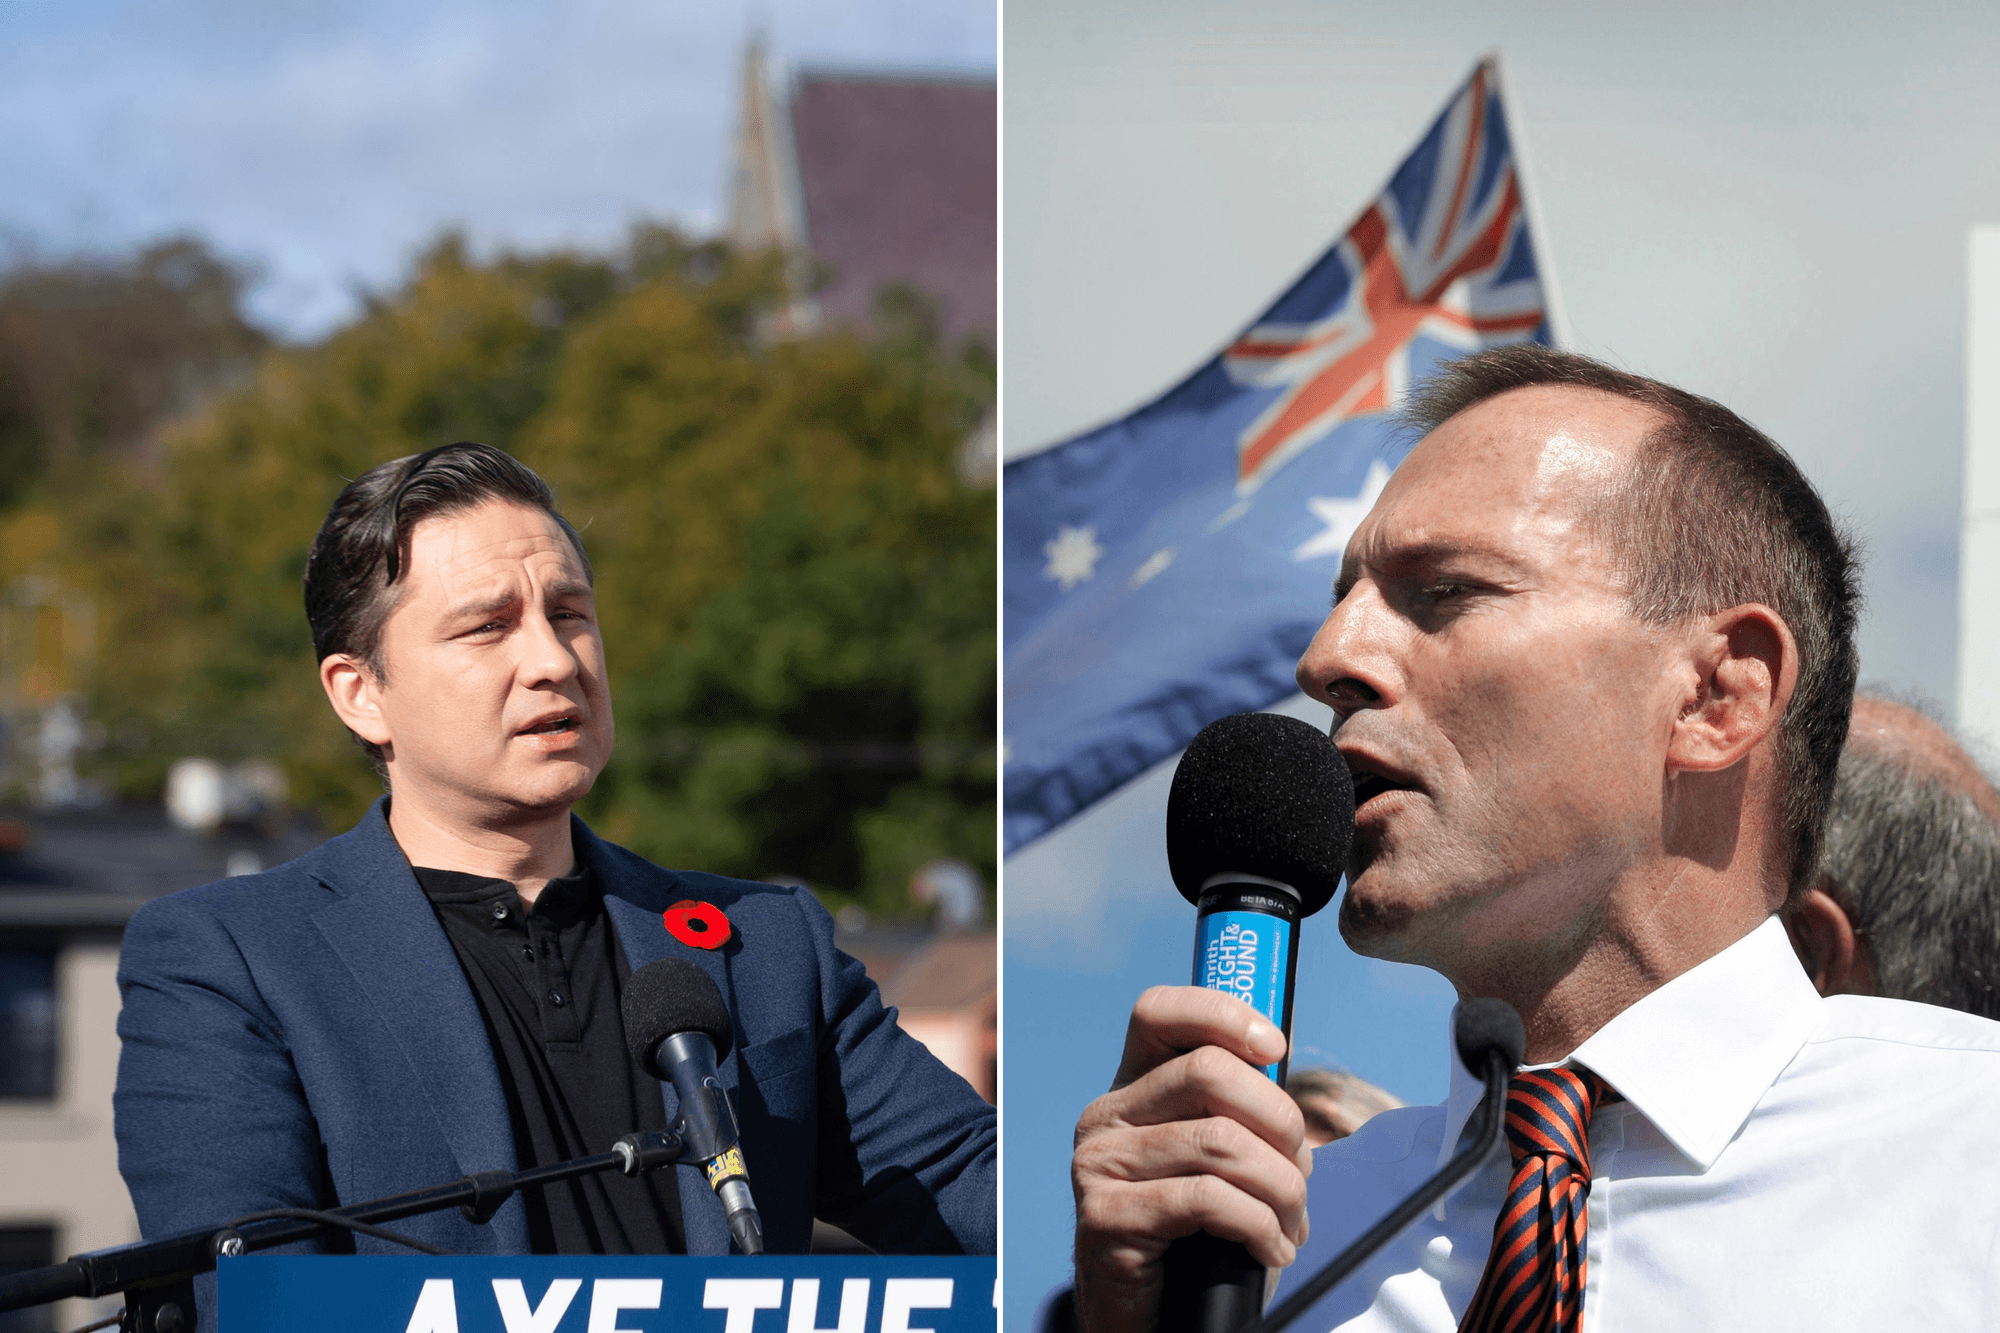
[
  {"x": 556, "y": 998},
  {"x": 499, "y": 911}
]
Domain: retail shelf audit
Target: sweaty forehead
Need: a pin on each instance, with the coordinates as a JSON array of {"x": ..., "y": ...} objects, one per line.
[{"x": 1538, "y": 459}]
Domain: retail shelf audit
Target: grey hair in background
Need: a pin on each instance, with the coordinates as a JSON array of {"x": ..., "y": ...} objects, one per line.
[
  {"x": 1329, "y": 1096},
  {"x": 1915, "y": 863}
]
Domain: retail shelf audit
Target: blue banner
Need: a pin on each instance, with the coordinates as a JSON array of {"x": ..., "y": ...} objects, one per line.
[
  {"x": 604, "y": 1294},
  {"x": 1168, "y": 569}
]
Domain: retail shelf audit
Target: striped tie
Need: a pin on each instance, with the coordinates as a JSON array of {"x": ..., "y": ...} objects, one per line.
[{"x": 1534, "y": 1276}]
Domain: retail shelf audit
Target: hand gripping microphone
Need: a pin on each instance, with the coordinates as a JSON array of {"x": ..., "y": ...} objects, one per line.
[
  {"x": 677, "y": 1027},
  {"x": 1258, "y": 826}
]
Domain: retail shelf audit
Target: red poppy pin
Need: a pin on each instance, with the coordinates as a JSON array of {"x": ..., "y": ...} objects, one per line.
[{"x": 701, "y": 924}]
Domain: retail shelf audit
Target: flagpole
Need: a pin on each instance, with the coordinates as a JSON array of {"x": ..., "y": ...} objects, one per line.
[{"x": 1517, "y": 137}]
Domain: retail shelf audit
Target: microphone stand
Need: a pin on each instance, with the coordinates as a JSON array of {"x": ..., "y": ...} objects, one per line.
[
  {"x": 1491, "y": 1118},
  {"x": 158, "y": 1276}
]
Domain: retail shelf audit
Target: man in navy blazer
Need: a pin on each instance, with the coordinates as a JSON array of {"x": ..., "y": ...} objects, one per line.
[{"x": 309, "y": 1036}]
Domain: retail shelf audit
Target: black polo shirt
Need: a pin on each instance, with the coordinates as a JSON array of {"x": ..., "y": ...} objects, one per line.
[{"x": 548, "y": 983}]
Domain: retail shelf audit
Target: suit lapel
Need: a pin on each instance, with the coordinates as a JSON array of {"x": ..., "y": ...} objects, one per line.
[
  {"x": 383, "y": 929},
  {"x": 636, "y": 893}
]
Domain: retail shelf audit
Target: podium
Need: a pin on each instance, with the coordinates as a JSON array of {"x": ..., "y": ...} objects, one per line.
[
  {"x": 259, "y": 1292},
  {"x": 606, "y": 1294}
]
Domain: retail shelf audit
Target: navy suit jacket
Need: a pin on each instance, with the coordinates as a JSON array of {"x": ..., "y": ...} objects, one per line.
[{"x": 306, "y": 1036}]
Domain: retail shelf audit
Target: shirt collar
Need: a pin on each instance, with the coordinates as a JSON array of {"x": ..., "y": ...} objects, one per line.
[
  {"x": 1697, "y": 1055},
  {"x": 561, "y": 900}
]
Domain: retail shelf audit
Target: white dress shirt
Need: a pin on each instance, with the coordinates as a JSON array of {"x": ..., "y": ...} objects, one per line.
[{"x": 1780, "y": 1161}]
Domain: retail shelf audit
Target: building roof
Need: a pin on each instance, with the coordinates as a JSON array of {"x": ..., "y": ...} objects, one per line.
[
  {"x": 950, "y": 972},
  {"x": 94, "y": 869},
  {"x": 881, "y": 180},
  {"x": 899, "y": 179}
]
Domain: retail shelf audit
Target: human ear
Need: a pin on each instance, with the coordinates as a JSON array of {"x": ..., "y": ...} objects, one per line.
[
  {"x": 1746, "y": 665},
  {"x": 1828, "y": 947},
  {"x": 353, "y": 691}
]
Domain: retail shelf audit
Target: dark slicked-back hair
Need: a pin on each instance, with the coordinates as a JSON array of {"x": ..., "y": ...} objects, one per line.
[
  {"x": 1914, "y": 861},
  {"x": 363, "y": 548},
  {"x": 1709, "y": 514}
]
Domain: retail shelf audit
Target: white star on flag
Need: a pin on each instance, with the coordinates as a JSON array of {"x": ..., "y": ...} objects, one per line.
[
  {"x": 1342, "y": 516},
  {"x": 1073, "y": 555},
  {"x": 1155, "y": 563}
]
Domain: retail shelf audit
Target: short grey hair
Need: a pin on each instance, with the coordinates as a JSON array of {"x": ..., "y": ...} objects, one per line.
[{"x": 1915, "y": 863}]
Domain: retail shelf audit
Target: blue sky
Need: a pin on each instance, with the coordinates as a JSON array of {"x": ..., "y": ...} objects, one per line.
[{"x": 326, "y": 143}]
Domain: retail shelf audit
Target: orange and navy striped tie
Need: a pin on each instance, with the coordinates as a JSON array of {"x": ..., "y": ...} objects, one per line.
[{"x": 1534, "y": 1276}]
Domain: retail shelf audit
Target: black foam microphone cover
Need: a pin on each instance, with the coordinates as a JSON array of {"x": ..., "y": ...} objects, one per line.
[
  {"x": 1261, "y": 794},
  {"x": 669, "y": 996},
  {"x": 1488, "y": 1025}
]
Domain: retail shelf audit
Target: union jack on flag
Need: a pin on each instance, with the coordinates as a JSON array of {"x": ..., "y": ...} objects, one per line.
[
  {"x": 1430, "y": 255},
  {"x": 1168, "y": 569}
]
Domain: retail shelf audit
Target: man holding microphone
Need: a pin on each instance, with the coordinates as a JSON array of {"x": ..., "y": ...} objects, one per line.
[{"x": 1591, "y": 659}]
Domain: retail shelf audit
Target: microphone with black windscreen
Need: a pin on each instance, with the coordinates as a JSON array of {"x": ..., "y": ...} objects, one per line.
[
  {"x": 1258, "y": 825},
  {"x": 677, "y": 1028}
]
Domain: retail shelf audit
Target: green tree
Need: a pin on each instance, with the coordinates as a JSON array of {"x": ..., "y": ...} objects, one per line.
[
  {"x": 796, "y": 589},
  {"x": 195, "y": 555},
  {"x": 95, "y": 353},
  {"x": 800, "y": 589}
]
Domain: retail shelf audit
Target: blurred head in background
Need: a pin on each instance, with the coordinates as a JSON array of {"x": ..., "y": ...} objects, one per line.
[
  {"x": 1335, "y": 1102},
  {"x": 1906, "y": 901}
]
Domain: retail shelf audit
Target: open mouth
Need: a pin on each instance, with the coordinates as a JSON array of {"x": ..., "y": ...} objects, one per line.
[
  {"x": 1369, "y": 785},
  {"x": 553, "y": 727}
]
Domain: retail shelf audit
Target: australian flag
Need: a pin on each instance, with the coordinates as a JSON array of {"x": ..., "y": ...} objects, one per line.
[{"x": 1169, "y": 568}]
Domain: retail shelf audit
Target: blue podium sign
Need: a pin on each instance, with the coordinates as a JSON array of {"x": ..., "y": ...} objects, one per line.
[{"x": 604, "y": 1294}]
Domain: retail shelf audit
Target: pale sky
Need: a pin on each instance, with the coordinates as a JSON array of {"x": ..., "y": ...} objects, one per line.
[
  {"x": 1765, "y": 205},
  {"x": 328, "y": 143}
]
